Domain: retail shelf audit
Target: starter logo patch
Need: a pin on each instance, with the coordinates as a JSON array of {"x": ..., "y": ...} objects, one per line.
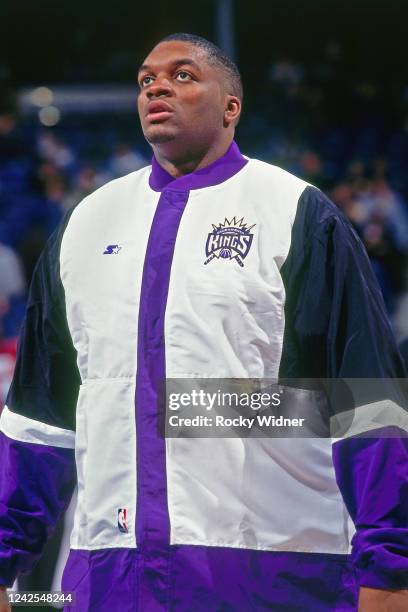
[
  {"x": 229, "y": 240},
  {"x": 112, "y": 249}
]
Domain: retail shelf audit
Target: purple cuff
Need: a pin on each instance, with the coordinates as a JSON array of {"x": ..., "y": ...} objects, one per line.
[
  {"x": 381, "y": 558},
  {"x": 372, "y": 474},
  {"x": 36, "y": 485}
]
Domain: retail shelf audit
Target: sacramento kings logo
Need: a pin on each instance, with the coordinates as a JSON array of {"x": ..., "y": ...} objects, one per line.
[{"x": 229, "y": 240}]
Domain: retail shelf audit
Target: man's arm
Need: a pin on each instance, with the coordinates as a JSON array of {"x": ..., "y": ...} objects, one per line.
[
  {"x": 338, "y": 326},
  {"x": 376, "y": 600},
  {"x": 372, "y": 467},
  {"x": 37, "y": 426},
  {"x": 4, "y": 601}
]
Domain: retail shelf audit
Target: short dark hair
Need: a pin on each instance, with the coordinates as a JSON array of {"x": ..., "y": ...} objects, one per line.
[{"x": 215, "y": 57}]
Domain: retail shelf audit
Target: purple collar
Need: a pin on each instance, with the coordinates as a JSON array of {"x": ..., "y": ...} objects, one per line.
[{"x": 217, "y": 172}]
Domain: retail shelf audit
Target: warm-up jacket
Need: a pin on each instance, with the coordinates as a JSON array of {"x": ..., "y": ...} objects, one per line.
[{"x": 143, "y": 281}]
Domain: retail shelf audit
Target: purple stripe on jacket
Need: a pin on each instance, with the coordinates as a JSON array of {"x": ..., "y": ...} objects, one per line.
[{"x": 152, "y": 521}]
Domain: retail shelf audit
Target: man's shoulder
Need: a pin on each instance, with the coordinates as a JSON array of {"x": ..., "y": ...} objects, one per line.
[
  {"x": 312, "y": 201},
  {"x": 112, "y": 199},
  {"x": 312, "y": 213},
  {"x": 269, "y": 173}
]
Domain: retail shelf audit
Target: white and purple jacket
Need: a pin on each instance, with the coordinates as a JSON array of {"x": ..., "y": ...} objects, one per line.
[{"x": 120, "y": 299}]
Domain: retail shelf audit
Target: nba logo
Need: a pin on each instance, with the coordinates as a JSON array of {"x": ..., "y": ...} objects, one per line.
[{"x": 122, "y": 520}]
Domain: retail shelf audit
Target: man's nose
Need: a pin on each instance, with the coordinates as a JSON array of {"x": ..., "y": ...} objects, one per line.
[{"x": 159, "y": 87}]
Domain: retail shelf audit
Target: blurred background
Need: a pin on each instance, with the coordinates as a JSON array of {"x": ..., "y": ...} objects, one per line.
[{"x": 326, "y": 97}]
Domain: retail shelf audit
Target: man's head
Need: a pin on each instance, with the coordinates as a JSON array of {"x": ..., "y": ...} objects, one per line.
[{"x": 190, "y": 95}]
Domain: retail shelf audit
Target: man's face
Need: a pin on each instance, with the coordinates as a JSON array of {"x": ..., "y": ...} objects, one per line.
[{"x": 182, "y": 97}]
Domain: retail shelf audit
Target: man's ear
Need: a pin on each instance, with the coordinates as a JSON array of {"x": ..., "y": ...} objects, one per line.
[{"x": 232, "y": 110}]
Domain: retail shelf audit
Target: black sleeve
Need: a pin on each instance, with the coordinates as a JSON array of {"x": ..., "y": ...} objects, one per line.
[{"x": 46, "y": 379}]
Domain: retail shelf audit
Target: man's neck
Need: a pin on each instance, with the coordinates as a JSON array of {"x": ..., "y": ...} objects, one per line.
[{"x": 192, "y": 162}]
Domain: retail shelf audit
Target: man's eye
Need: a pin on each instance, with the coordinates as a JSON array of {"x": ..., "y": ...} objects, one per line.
[
  {"x": 183, "y": 76},
  {"x": 146, "y": 80}
]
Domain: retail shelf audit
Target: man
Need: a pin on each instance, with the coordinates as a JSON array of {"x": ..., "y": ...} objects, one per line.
[{"x": 136, "y": 286}]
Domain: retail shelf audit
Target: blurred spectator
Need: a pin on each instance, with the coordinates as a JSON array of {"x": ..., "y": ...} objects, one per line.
[
  {"x": 12, "y": 142},
  {"x": 12, "y": 286},
  {"x": 286, "y": 73},
  {"x": 380, "y": 215},
  {"x": 311, "y": 168},
  {"x": 125, "y": 160},
  {"x": 85, "y": 183},
  {"x": 54, "y": 150},
  {"x": 8, "y": 352},
  {"x": 12, "y": 281}
]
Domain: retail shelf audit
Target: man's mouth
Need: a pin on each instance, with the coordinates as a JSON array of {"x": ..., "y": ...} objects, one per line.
[{"x": 158, "y": 111}]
